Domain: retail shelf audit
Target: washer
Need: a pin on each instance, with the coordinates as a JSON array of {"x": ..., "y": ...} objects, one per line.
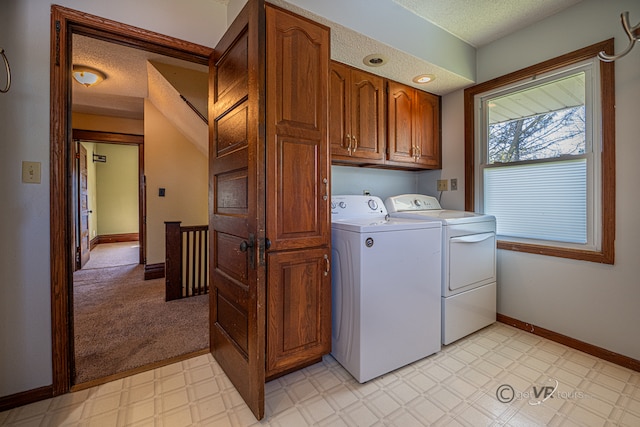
[
  {"x": 386, "y": 287},
  {"x": 469, "y": 289}
]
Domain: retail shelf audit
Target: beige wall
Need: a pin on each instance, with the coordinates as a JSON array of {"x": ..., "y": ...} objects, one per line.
[
  {"x": 107, "y": 124},
  {"x": 117, "y": 189},
  {"x": 175, "y": 164}
]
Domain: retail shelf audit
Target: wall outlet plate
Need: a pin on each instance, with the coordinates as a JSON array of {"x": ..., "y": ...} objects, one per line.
[
  {"x": 454, "y": 184},
  {"x": 442, "y": 185},
  {"x": 31, "y": 172}
]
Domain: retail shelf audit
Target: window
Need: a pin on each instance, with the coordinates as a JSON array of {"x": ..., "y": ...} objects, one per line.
[{"x": 540, "y": 156}]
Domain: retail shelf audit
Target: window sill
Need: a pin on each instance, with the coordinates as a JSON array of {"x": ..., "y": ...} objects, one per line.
[{"x": 605, "y": 256}]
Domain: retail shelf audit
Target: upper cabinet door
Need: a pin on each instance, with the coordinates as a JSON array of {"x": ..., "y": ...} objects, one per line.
[
  {"x": 427, "y": 129},
  {"x": 236, "y": 205},
  {"x": 356, "y": 115},
  {"x": 367, "y": 116},
  {"x": 339, "y": 110},
  {"x": 414, "y": 128},
  {"x": 401, "y": 111},
  {"x": 297, "y": 148}
]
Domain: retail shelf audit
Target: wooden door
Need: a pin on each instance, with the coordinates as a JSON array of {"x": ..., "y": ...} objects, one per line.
[
  {"x": 339, "y": 111},
  {"x": 299, "y": 309},
  {"x": 367, "y": 116},
  {"x": 297, "y": 149},
  {"x": 236, "y": 199},
  {"x": 400, "y": 123},
  {"x": 427, "y": 129},
  {"x": 83, "y": 207},
  {"x": 298, "y": 222}
]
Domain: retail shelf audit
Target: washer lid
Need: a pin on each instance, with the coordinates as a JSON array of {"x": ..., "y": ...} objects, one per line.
[
  {"x": 381, "y": 225},
  {"x": 427, "y": 208},
  {"x": 447, "y": 217}
]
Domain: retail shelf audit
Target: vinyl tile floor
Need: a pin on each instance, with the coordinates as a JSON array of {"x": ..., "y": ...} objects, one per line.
[{"x": 499, "y": 376}]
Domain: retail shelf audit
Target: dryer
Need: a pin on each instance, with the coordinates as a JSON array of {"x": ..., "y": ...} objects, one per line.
[
  {"x": 385, "y": 287},
  {"x": 469, "y": 288}
]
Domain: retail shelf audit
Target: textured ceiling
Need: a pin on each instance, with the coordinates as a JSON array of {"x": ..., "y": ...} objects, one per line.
[
  {"x": 477, "y": 22},
  {"x": 122, "y": 93}
]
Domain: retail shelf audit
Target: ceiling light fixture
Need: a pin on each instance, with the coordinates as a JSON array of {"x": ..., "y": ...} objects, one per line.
[
  {"x": 87, "y": 76},
  {"x": 424, "y": 78},
  {"x": 374, "y": 60}
]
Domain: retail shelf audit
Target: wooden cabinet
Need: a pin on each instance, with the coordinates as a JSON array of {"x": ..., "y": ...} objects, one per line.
[
  {"x": 356, "y": 115},
  {"x": 270, "y": 288},
  {"x": 298, "y": 308},
  {"x": 297, "y": 186},
  {"x": 414, "y": 128}
]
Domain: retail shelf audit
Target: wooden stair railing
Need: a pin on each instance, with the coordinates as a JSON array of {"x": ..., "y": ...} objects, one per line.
[{"x": 187, "y": 260}]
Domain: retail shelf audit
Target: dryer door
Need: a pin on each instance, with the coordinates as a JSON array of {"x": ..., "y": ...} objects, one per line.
[{"x": 472, "y": 261}]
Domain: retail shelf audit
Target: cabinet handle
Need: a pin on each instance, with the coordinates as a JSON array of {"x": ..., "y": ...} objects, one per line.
[
  {"x": 325, "y": 181},
  {"x": 355, "y": 143},
  {"x": 416, "y": 153},
  {"x": 349, "y": 143},
  {"x": 326, "y": 259}
]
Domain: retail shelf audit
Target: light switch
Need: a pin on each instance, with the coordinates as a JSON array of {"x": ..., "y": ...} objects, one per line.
[{"x": 31, "y": 172}]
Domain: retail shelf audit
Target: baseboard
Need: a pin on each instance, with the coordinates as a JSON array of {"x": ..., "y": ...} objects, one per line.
[
  {"x": 154, "y": 271},
  {"x": 117, "y": 238},
  {"x": 25, "y": 397},
  {"x": 593, "y": 350},
  {"x": 94, "y": 242}
]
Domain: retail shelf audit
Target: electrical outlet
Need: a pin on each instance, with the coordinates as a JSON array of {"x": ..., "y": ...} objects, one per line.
[
  {"x": 442, "y": 185},
  {"x": 454, "y": 184}
]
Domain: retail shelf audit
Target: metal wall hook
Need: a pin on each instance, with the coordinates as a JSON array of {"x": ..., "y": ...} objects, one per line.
[
  {"x": 6, "y": 64},
  {"x": 624, "y": 18}
]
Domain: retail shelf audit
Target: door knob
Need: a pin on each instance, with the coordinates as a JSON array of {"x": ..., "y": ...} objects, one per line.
[{"x": 245, "y": 245}]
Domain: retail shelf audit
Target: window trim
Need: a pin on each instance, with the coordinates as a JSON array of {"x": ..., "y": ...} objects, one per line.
[{"x": 607, "y": 166}]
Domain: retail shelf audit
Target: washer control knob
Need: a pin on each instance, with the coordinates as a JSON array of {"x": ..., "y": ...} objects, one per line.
[
  {"x": 333, "y": 205},
  {"x": 417, "y": 202},
  {"x": 373, "y": 204},
  {"x": 342, "y": 205}
]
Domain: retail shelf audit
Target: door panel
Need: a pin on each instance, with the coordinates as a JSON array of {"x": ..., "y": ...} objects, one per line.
[
  {"x": 427, "y": 128},
  {"x": 339, "y": 109},
  {"x": 367, "y": 115},
  {"x": 400, "y": 123},
  {"x": 299, "y": 308},
  {"x": 297, "y": 150},
  {"x": 236, "y": 199}
]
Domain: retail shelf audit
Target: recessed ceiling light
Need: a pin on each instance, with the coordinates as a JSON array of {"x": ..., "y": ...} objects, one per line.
[
  {"x": 87, "y": 76},
  {"x": 424, "y": 78},
  {"x": 374, "y": 60}
]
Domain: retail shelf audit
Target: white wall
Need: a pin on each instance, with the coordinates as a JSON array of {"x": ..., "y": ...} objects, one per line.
[
  {"x": 379, "y": 182},
  {"x": 594, "y": 303},
  {"x": 25, "y": 300}
]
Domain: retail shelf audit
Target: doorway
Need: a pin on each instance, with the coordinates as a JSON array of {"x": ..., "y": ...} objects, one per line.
[
  {"x": 65, "y": 23},
  {"x": 122, "y": 192}
]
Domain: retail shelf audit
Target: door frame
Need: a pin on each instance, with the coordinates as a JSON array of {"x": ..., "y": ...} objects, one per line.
[
  {"x": 119, "y": 139},
  {"x": 64, "y": 23}
]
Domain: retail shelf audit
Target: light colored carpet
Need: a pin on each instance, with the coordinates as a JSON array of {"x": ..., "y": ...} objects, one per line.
[
  {"x": 113, "y": 254},
  {"x": 122, "y": 322}
]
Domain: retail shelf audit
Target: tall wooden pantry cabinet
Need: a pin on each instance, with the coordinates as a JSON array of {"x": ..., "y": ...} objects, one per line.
[{"x": 270, "y": 289}]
